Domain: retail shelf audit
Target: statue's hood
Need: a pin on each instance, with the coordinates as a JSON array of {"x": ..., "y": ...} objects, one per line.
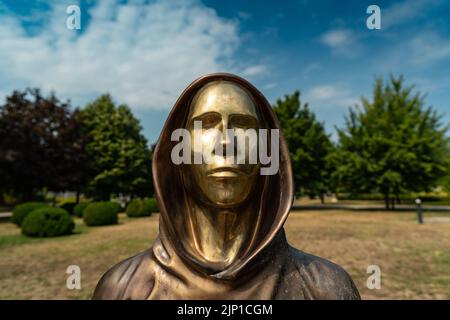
[{"x": 169, "y": 189}]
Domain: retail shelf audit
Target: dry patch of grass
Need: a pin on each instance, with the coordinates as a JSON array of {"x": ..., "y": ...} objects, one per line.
[
  {"x": 414, "y": 259},
  {"x": 36, "y": 269}
]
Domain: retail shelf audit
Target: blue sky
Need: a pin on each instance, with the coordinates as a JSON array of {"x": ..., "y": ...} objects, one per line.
[{"x": 145, "y": 52}]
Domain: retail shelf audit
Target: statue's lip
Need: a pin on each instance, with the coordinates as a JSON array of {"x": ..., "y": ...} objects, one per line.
[{"x": 225, "y": 172}]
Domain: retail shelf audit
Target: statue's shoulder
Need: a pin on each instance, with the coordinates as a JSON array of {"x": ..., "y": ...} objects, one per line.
[
  {"x": 114, "y": 284},
  {"x": 323, "y": 278}
]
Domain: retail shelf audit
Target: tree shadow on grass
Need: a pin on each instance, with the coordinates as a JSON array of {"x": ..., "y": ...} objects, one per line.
[{"x": 18, "y": 239}]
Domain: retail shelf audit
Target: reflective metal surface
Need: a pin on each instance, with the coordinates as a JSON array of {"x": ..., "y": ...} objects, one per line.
[
  {"x": 218, "y": 226},
  {"x": 222, "y": 106},
  {"x": 221, "y": 226}
]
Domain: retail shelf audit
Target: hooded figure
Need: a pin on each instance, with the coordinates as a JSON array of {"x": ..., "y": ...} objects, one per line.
[{"x": 221, "y": 230}]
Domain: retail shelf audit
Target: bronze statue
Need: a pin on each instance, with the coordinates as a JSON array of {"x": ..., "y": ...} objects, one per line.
[{"x": 221, "y": 226}]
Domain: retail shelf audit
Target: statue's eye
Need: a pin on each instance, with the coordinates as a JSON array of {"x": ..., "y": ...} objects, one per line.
[
  {"x": 209, "y": 120},
  {"x": 243, "y": 121}
]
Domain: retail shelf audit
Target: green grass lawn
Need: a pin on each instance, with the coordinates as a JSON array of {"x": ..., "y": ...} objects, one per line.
[{"x": 414, "y": 259}]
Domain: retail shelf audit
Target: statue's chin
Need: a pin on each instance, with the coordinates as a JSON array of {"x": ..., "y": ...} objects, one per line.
[
  {"x": 227, "y": 204},
  {"x": 226, "y": 198},
  {"x": 220, "y": 192}
]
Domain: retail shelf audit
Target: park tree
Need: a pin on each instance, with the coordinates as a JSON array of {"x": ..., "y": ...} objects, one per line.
[
  {"x": 309, "y": 146},
  {"x": 118, "y": 158},
  {"x": 444, "y": 182},
  {"x": 392, "y": 144},
  {"x": 40, "y": 144}
]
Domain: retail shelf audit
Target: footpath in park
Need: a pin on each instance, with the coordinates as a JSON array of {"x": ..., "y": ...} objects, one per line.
[
  {"x": 336, "y": 206},
  {"x": 367, "y": 207}
]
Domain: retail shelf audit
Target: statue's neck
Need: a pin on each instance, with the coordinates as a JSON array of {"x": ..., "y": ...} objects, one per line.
[{"x": 219, "y": 235}]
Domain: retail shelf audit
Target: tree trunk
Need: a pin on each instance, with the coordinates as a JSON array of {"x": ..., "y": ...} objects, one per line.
[
  {"x": 322, "y": 198},
  {"x": 393, "y": 203},
  {"x": 386, "y": 200}
]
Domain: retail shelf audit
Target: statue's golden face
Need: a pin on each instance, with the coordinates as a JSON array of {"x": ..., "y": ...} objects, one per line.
[{"x": 221, "y": 106}]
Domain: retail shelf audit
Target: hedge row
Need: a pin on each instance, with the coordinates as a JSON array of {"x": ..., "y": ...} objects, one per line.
[
  {"x": 38, "y": 219},
  {"x": 141, "y": 208},
  {"x": 48, "y": 222},
  {"x": 101, "y": 213},
  {"x": 23, "y": 210},
  {"x": 79, "y": 209}
]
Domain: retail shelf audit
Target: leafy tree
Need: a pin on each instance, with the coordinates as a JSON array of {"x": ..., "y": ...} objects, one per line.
[
  {"x": 444, "y": 182},
  {"x": 119, "y": 160},
  {"x": 40, "y": 144},
  {"x": 391, "y": 144},
  {"x": 309, "y": 145}
]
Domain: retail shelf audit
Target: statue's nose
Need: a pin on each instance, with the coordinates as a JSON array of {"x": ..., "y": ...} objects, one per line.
[{"x": 226, "y": 138}]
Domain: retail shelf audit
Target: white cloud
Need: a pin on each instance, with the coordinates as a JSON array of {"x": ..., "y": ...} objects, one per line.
[
  {"x": 404, "y": 11},
  {"x": 143, "y": 54},
  {"x": 270, "y": 85},
  {"x": 342, "y": 42},
  {"x": 244, "y": 15},
  {"x": 255, "y": 70},
  {"x": 429, "y": 47},
  {"x": 416, "y": 54},
  {"x": 310, "y": 69},
  {"x": 336, "y": 38},
  {"x": 330, "y": 96}
]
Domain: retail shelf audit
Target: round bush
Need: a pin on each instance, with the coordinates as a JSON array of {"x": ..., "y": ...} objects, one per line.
[
  {"x": 138, "y": 208},
  {"x": 22, "y": 210},
  {"x": 116, "y": 206},
  {"x": 152, "y": 204},
  {"x": 48, "y": 222},
  {"x": 79, "y": 208},
  {"x": 69, "y": 207},
  {"x": 100, "y": 214}
]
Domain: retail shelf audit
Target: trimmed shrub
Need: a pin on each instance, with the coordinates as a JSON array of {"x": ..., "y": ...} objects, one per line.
[
  {"x": 138, "y": 208},
  {"x": 48, "y": 222},
  {"x": 24, "y": 209},
  {"x": 100, "y": 214},
  {"x": 68, "y": 206},
  {"x": 152, "y": 204},
  {"x": 116, "y": 206},
  {"x": 79, "y": 208}
]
